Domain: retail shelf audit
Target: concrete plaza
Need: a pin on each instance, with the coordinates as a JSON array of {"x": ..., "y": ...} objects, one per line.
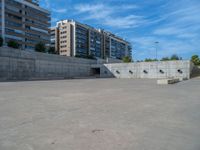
[{"x": 99, "y": 114}]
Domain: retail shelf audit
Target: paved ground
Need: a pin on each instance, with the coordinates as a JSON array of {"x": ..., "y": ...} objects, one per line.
[{"x": 104, "y": 114}]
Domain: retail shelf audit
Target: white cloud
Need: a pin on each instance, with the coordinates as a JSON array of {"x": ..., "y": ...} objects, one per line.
[
  {"x": 183, "y": 22},
  {"x": 110, "y": 15},
  {"x": 54, "y": 20},
  {"x": 130, "y": 21},
  {"x": 89, "y": 8},
  {"x": 47, "y": 3},
  {"x": 60, "y": 10},
  {"x": 177, "y": 32},
  {"x": 102, "y": 7}
]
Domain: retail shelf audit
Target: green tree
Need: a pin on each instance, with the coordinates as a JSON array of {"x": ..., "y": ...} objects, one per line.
[
  {"x": 150, "y": 60},
  {"x": 90, "y": 56},
  {"x": 139, "y": 61},
  {"x": 78, "y": 56},
  {"x": 51, "y": 50},
  {"x": 40, "y": 47},
  {"x": 13, "y": 44},
  {"x": 1, "y": 41},
  {"x": 127, "y": 59},
  {"x": 174, "y": 57},
  {"x": 195, "y": 59},
  {"x": 165, "y": 59}
]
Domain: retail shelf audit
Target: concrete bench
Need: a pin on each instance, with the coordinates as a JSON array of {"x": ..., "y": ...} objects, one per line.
[{"x": 167, "y": 81}]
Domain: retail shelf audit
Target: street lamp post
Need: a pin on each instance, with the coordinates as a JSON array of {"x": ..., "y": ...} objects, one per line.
[{"x": 156, "y": 43}]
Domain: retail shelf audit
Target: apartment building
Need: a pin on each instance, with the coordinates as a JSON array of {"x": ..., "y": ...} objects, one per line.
[
  {"x": 54, "y": 39},
  {"x": 25, "y": 22},
  {"x": 116, "y": 47},
  {"x": 80, "y": 40},
  {"x": 64, "y": 39}
]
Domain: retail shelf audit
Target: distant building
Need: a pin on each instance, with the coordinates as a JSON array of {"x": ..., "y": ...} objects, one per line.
[
  {"x": 25, "y": 22},
  {"x": 71, "y": 38},
  {"x": 116, "y": 47},
  {"x": 54, "y": 38}
]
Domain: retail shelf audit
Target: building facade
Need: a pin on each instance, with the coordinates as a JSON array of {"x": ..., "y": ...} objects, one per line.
[
  {"x": 54, "y": 38},
  {"x": 80, "y": 40},
  {"x": 116, "y": 47},
  {"x": 25, "y": 22}
]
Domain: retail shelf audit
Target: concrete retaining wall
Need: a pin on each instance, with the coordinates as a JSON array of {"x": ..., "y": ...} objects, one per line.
[
  {"x": 108, "y": 61},
  {"x": 23, "y": 65},
  {"x": 167, "y": 69}
]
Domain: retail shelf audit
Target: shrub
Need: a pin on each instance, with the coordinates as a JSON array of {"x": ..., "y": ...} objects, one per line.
[
  {"x": 175, "y": 57},
  {"x": 165, "y": 59},
  {"x": 195, "y": 59},
  {"x": 51, "y": 50},
  {"x": 127, "y": 59},
  {"x": 13, "y": 44},
  {"x": 1, "y": 41},
  {"x": 90, "y": 56},
  {"x": 150, "y": 60},
  {"x": 40, "y": 47}
]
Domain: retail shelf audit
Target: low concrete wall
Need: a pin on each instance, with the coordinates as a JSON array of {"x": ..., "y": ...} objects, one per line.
[
  {"x": 167, "y": 69},
  {"x": 23, "y": 65}
]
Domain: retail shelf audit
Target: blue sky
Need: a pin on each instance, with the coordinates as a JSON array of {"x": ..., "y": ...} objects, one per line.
[{"x": 175, "y": 24}]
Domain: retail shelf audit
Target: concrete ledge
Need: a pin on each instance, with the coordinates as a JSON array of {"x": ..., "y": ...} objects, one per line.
[
  {"x": 183, "y": 79},
  {"x": 167, "y": 81}
]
